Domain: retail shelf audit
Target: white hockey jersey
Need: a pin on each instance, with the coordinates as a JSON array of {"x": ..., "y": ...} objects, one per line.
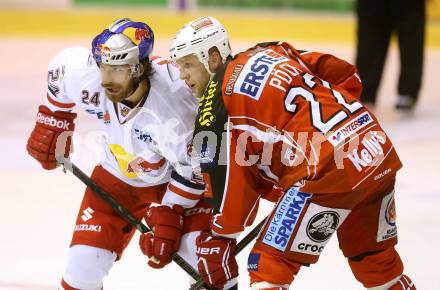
[{"x": 146, "y": 145}]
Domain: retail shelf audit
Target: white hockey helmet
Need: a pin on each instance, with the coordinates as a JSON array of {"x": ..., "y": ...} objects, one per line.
[
  {"x": 124, "y": 42},
  {"x": 197, "y": 37}
]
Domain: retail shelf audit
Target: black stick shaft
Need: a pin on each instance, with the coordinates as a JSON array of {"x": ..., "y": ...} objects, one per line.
[{"x": 122, "y": 211}]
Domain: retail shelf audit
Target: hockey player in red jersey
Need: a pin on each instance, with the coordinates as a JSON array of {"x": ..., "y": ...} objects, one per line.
[
  {"x": 147, "y": 114},
  {"x": 274, "y": 113}
]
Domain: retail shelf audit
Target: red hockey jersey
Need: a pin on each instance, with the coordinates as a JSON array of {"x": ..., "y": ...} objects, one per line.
[{"x": 277, "y": 115}]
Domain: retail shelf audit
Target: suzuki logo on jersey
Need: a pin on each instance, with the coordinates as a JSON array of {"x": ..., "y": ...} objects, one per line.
[
  {"x": 256, "y": 72},
  {"x": 371, "y": 154},
  {"x": 350, "y": 128},
  {"x": 87, "y": 214},
  {"x": 285, "y": 218},
  {"x": 90, "y": 228}
]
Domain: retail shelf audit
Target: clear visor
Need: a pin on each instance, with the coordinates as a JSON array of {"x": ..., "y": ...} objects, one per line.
[{"x": 117, "y": 73}]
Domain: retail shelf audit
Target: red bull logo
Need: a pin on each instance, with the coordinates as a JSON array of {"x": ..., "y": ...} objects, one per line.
[
  {"x": 103, "y": 50},
  {"x": 136, "y": 34},
  {"x": 140, "y": 165},
  {"x": 141, "y": 34}
]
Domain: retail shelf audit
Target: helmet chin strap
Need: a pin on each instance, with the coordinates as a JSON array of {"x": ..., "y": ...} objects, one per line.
[
  {"x": 204, "y": 61},
  {"x": 206, "y": 64}
]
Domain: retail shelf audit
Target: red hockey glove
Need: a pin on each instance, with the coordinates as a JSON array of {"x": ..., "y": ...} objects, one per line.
[
  {"x": 42, "y": 143},
  {"x": 404, "y": 283},
  {"x": 216, "y": 259},
  {"x": 164, "y": 239}
]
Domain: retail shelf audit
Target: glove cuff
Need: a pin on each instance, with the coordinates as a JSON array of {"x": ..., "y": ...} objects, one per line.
[
  {"x": 58, "y": 121},
  {"x": 164, "y": 215}
]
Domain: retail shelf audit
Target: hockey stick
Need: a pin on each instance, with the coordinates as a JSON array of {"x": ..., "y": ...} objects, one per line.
[
  {"x": 122, "y": 211},
  {"x": 240, "y": 246}
]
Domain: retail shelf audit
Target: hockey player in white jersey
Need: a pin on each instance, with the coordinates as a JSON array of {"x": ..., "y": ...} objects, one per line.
[{"x": 147, "y": 115}]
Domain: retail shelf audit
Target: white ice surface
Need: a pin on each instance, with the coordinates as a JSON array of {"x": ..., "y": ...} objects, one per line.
[{"x": 38, "y": 208}]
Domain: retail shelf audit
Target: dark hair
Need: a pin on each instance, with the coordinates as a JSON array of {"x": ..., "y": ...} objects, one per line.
[
  {"x": 148, "y": 69},
  {"x": 214, "y": 49}
]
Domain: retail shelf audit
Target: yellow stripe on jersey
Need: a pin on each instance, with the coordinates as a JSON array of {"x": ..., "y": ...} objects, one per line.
[{"x": 123, "y": 158}]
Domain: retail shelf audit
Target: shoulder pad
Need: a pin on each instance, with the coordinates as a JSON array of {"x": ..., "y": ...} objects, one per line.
[{"x": 73, "y": 58}]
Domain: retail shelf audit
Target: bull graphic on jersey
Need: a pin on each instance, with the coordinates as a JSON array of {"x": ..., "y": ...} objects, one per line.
[
  {"x": 141, "y": 165},
  {"x": 134, "y": 167}
]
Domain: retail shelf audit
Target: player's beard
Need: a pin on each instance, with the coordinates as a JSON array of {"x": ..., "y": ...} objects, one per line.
[{"x": 122, "y": 91}]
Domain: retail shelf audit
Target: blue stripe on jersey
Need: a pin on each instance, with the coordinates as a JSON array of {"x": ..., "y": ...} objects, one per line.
[{"x": 177, "y": 177}]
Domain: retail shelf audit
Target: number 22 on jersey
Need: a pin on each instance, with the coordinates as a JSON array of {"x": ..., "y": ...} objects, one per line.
[{"x": 315, "y": 106}]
